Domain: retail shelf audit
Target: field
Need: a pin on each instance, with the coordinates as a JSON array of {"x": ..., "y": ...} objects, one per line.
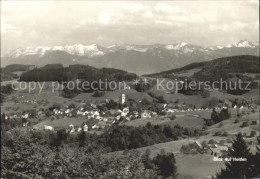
[
  {"x": 64, "y": 122},
  {"x": 187, "y": 73},
  {"x": 183, "y": 120},
  {"x": 188, "y": 165}
]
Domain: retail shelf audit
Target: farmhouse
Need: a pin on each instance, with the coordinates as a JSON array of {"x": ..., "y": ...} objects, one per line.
[
  {"x": 145, "y": 114},
  {"x": 219, "y": 151},
  {"x": 45, "y": 127}
]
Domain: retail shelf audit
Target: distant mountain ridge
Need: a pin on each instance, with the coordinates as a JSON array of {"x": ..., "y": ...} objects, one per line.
[
  {"x": 217, "y": 68},
  {"x": 141, "y": 59}
]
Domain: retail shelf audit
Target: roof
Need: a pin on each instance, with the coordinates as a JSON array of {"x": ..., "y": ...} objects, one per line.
[{"x": 198, "y": 143}]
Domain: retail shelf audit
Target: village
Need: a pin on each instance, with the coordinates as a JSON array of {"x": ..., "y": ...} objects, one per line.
[
  {"x": 98, "y": 116},
  {"x": 95, "y": 117}
]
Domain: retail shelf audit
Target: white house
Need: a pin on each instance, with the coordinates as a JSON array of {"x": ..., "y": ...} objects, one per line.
[
  {"x": 45, "y": 127},
  {"x": 25, "y": 116},
  {"x": 95, "y": 126},
  {"x": 79, "y": 129},
  {"x": 85, "y": 128},
  {"x": 145, "y": 114},
  {"x": 125, "y": 111}
]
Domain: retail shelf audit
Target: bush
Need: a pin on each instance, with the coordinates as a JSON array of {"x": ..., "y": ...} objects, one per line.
[
  {"x": 98, "y": 93},
  {"x": 225, "y": 133},
  {"x": 245, "y": 124},
  {"x": 212, "y": 141},
  {"x": 213, "y": 102},
  {"x": 205, "y": 94},
  {"x": 253, "y": 133},
  {"x": 218, "y": 133},
  {"x": 222, "y": 142},
  {"x": 172, "y": 117},
  {"x": 185, "y": 149},
  {"x": 204, "y": 144}
]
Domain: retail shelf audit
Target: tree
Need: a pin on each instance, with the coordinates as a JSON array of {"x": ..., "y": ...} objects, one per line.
[
  {"x": 185, "y": 149},
  {"x": 213, "y": 102},
  {"x": 237, "y": 169},
  {"x": 98, "y": 93},
  {"x": 214, "y": 116},
  {"x": 255, "y": 162},
  {"x": 253, "y": 133},
  {"x": 82, "y": 138},
  {"x": 166, "y": 164},
  {"x": 204, "y": 144},
  {"x": 224, "y": 114},
  {"x": 48, "y": 113},
  {"x": 173, "y": 117}
]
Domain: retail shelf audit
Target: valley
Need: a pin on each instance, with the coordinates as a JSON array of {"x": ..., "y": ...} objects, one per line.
[{"x": 182, "y": 120}]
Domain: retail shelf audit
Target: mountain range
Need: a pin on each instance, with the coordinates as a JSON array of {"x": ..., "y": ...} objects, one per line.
[{"x": 140, "y": 59}]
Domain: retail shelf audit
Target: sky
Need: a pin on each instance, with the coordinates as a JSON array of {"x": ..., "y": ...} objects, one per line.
[{"x": 205, "y": 22}]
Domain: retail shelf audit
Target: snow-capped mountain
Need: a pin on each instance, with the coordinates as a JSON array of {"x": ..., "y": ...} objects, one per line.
[
  {"x": 133, "y": 58},
  {"x": 244, "y": 44},
  {"x": 77, "y": 49}
]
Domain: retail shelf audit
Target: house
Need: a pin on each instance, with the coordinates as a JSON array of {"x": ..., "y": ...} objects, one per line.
[
  {"x": 219, "y": 151},
  {"x": 145, "y": 114},
  {"x": 25, "y": 116},
  {"x": 125, "y": 111},
  {"x": 127, "y": 87},
  {"x": 79, "y": 129},
  {"x": 72, "y": 130},
  {"x": 50, "y": 128},
  {"x": 104, "y": 119},
  {"x": 198, "y": 145},
  {"x": 136, "y": 114},
  {"x": 91, "y": 123},
  {"x": 67, "y": 111},
  {"x": 95, "y": 126},
  {"x": 85, "y": 128},
  {"x": 79, "y": 112},
  {"x": 93, "y": 105}
]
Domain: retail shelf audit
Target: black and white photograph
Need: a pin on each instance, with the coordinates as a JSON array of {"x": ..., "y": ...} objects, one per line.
[{"x": 130, "y": 89}]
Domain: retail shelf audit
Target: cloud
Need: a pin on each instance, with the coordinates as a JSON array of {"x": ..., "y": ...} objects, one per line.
[
  {"x": 168, "y": 9},
  {"x": 6, "y": 27},
  {"x": 132, "y": 7},
  {"x": 32, "y": 23},
  {"x": 148, "y": 14},
  {"x": 106, "y": 17}
]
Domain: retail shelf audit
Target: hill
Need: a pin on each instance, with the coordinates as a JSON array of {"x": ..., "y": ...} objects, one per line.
[
  {"x": 220, "y": 67},
  {"x": 11, "y": 72},
  {"x": 56, "y": 72}
]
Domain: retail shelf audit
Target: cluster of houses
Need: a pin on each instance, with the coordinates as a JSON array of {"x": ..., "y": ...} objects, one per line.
[
  {"x": 18, "y": 115},
  {"x": 217, "y": 150},
  {"x": 29, "y": 101},
  {"x": 170, "y": 109},
  {"x": 106, "y": 117}
]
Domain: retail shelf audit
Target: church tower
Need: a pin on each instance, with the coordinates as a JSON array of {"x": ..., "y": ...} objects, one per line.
[{"x": 122, "y": 99}]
